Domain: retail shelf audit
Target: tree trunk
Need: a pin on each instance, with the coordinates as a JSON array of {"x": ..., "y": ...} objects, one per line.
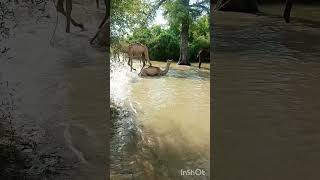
[
  {"x": 183, "y": 60},
  {"x": 249, "y": 6},
  {"x": 287, "y": 10}
]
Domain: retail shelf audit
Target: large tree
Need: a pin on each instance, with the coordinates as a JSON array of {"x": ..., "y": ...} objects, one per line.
[
  {"x": 184, "y": 36},
  {"x": 181, "y": 13}
]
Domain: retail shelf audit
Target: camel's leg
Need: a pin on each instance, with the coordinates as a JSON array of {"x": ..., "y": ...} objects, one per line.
[
  {"x": 95, "y": 36},
  {"x": 97, "y": 1},
  {"x": 62, "y": 11},
  {"x": 124, "y": 58},
  {"x": 199, "y": 58},
  {"x": 60, "y": 7},
  {"x": 287, "y": 10},
  {"x": 130, "y": 63},
  {"x": 68, "y": 14},
  {"x": 74, "y": 23},
  {"x": 114, "y": 57},
  {"x": 140, "y": 70},
  {"x": 148, "y": 61},
  {"x": 106, "y": 15},
  {"x": 143, "y": 63},
  {"x": 103, "y": 21}
]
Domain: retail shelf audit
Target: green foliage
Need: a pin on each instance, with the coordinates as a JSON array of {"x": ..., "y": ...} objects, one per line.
[
  {"x": 164, "y": 43},
  {"x": 196, "y": 45},
  {"x": 165, "y": 46},
  {"x": 142, "y": 35},
  {"x": 199, "y": 36},
  {"x": 127, "y": 14},
  {"x": 129, "y": 23},
  {"x": 176, "y": 12},
  {"x": 200, "y": 27}
]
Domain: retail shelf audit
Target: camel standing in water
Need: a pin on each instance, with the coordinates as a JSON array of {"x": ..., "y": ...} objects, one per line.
[
  {"x": 203, "y": 56},
  {"x": 119, "y": 50},
  {"x": 155, "y": 71},
  {"x": 116, "y": 51},
  {"x": 139, "y": 51}
]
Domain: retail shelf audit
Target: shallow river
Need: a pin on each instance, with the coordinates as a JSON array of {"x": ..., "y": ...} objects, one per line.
[{"x": 172, "y": 116}]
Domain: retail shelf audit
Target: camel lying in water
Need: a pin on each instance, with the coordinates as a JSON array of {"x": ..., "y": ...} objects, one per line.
[{"x": 155, "y": 71}]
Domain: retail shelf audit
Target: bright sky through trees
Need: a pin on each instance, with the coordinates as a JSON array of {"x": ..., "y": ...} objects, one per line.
[{"x": 160, "y": 19}]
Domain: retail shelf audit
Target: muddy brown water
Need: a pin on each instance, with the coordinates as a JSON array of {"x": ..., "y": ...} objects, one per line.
[
  {"x": 170, "y": 117},
  {"x": 266, "y": 101}
]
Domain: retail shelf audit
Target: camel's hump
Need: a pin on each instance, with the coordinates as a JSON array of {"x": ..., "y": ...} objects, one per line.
[{"x": 140, "y": 44}]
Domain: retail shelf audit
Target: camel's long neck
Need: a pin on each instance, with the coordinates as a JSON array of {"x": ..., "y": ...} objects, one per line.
[{"x": 165, "y": 71}]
